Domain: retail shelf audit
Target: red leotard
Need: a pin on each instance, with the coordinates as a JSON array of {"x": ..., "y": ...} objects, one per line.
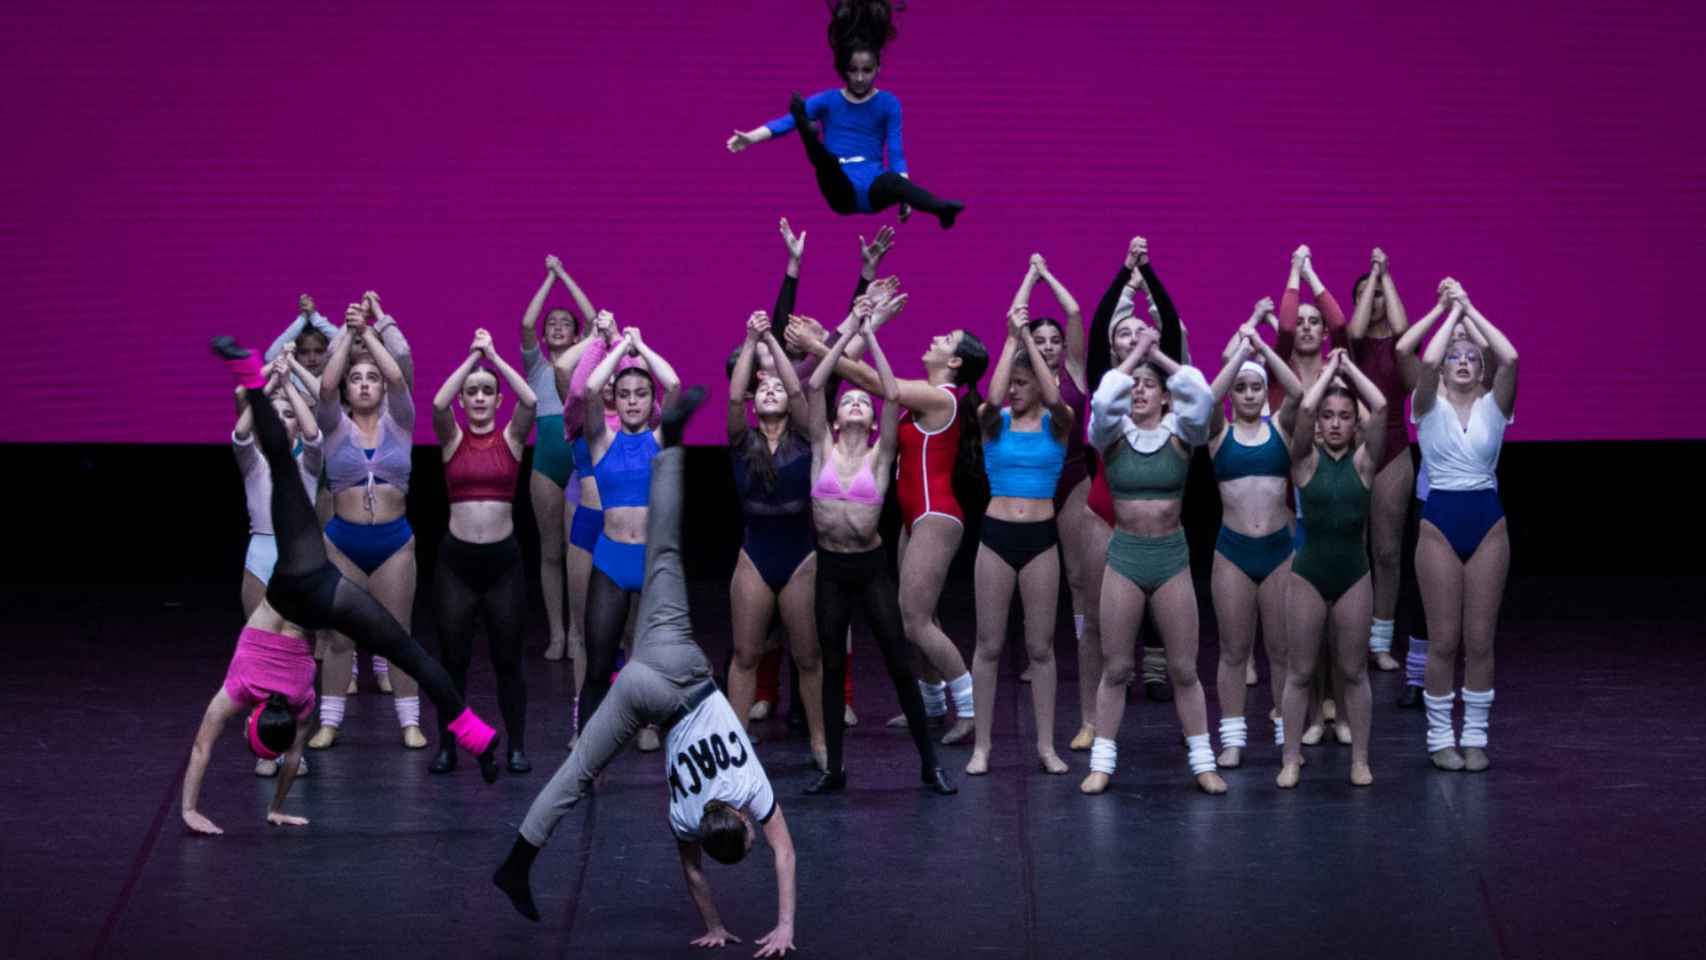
[{"x": 924, "y": 480}]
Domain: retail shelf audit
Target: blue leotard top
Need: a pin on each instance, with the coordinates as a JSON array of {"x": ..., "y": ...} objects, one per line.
[
  {"x": 1235, "y": 460},
  {"x": 1024, "y": 463},
  {"x": 858, "y": 133},
  {"x": 625, "y": 471}
]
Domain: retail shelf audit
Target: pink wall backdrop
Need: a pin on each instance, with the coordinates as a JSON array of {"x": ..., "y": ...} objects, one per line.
[{"x": 174, "y": 170}]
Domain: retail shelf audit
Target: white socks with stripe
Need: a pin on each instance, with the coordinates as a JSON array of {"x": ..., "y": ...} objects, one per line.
[
  {"x": 332, "y": 711},
  {"x": 1234, "y": 732},
  {"x": 1477, "y": 704},
  {"x": 1416, "y": 661},
  {"x": 1441, "y": 736},
  {"x": 1279, "y": 732},
  {"x": 408, "y": 711},
  {"x": 960, "y": 689},
  {"x": 1380, "y": 637}
]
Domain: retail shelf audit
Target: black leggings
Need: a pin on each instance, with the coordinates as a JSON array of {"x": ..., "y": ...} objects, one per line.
[
  {"x": 308, "y": 591},
  {"x": 607, "y": 606},
  {"x": 886, "y": 191},
  {"x": 843, "y": 581},
  {"x": 485, "y": 579}
]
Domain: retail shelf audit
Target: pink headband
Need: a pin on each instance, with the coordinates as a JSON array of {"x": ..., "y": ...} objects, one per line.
[{"x": 251, "y": 728}]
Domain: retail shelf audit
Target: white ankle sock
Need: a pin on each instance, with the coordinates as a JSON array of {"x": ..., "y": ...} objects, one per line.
[
  {"x": 960, "y": 689},
  {"x": 408, "y": 711},
  {"x": 332, "y": 711},
  {"x": 1200, "y": 755},
  {"x": 1078, "y": 626},
  {"x": 1104, "y": 754},
  {"x": 1234, "y": 732},
  {"x": 1380, "y": 637},
  {"x": 1279, "y": 732},
  {"x": 1477, "y": 704},
  {"x": 380, "y": 665},
  {"x": 1441, "y": 736}
]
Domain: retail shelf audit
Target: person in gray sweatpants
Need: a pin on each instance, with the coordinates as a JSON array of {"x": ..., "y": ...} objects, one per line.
[{"x": 720, "y": 798}]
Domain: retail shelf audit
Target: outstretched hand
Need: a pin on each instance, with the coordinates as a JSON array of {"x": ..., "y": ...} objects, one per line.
[
  {"x": 872, "y": 253},
  {"x": 796, "y": 242},
  {"x": 740, "y": 141},
  {"x": 716, "y": 938},
  {"x": 776, "y": 943}
]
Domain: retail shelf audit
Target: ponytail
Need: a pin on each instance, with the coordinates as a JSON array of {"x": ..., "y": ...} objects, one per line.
[{"x": 971, "y": 486}]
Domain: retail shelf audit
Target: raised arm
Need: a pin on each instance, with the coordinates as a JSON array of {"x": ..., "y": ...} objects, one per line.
[
  {"x": 299, "y": 405},
  {"x": 530, "y": 316},
  {"x": 1111, "y": 402},
  {"x": 583, "y": 303},
  {"x": 391, "y": 335},
  {"x": 1001, "y": 378},
  {"x": 817, "y": 405},
  {"x": 443, "y": 416},
  {"x": 1373, "y": 428},
  {"x": 789, "y": 291},
  {"x": 1504, "y": 379},
  {"x": 1303, "y": 433},
  {"x": 1022, "y": 296},
  {"x": 1222, "y": 383},
  {"x": 888, "y": 440},
  {"x": 397, "y": 379},
  {"x": 526, "y": 401},
  {"x": 662, "y": 372},
  {"x": 742, "y": 375},
  {"x": 310, "y": 382},
  {"x": 1098, "y": 354},
  {"x": 1331, "y": 315},
  {"x": 1396, "y": 317},
  {"x": 1363, "y": 310},
  {"x": 1426, "y": 391},
  {"x": 1289, "y": 302},
  {"x": 1278, "y": 369},
  {"x": 593, "y": 428},
  {"x": 789, "y": 377},
  {"x": 1166, "y": 314},
  {"x": 780, "y": 940}
]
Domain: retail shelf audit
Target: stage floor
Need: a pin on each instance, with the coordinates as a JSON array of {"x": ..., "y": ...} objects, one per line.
[{"x": 1587, "y": 838}]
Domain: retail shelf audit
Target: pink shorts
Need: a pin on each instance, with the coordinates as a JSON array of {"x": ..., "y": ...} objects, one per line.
[{"x": 267, "y": 663}]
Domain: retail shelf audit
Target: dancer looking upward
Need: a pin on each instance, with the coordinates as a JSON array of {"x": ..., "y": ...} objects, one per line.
[{"x": 847, "y": 502}]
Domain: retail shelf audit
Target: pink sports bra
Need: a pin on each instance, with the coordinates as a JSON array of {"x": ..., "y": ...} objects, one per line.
[{"x": 863, "y": 489}]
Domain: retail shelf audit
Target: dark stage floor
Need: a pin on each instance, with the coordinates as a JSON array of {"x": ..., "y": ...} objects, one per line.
[{"x": 1586, "y": 839}]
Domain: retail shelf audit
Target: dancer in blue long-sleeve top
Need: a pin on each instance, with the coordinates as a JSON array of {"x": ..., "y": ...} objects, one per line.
[{"x": 860, "y": 125}]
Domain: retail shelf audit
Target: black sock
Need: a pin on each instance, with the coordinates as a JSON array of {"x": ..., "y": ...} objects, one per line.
[{"x": 511, "y": 877}]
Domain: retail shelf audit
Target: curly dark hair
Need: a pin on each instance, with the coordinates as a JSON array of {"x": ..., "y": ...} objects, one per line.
[{"x": 856, "y": 25}]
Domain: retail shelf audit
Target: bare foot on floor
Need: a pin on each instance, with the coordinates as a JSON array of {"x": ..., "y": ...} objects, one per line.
[
  {"x": 1475, "y": 759},
  {"x": 1230, "y": 758},
  {"x": 555, "y": 649},
  {"x": 1312, "y": 735},
  {"x": 1361, "y": 775},
  {"x": 1211, "y": 783},
  {"x": 413, "y": 738},
  {"x": 1288, "y": 775},
  {"x": 1342, "y": 733},
  {"x": 978, "y": 765},
  {"x": 1250, "y": 678},
  {"x": 963, "y": 727},
  {"x": 1084, "y": 738},
  {"x": 1095, "y": 783},
  {"x": 1447, "y": 759},
  {"x": 323, "y": 738},
  {"x": 1384, "y": 662},
  {"x": 1051, "y": 762}
]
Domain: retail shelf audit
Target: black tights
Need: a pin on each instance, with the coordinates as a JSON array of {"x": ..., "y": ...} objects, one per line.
[
  {"x": 886, "y": 191},
  {"x": 309, "y": 592},
  {"x": 843, "y": 581},
  {"x": 484, "y": 579},
  {"x": 606, "y": 618}
]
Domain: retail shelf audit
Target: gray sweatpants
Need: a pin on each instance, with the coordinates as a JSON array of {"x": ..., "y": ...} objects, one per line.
[{"x": 666, "y": 664}]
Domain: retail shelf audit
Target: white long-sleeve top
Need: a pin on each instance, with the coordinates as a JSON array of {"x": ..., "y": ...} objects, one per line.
[{"x": 1110, "y": 408}]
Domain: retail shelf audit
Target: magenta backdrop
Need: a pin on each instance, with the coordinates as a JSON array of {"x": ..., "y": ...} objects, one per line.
[{"x": 176, "y": 170}]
